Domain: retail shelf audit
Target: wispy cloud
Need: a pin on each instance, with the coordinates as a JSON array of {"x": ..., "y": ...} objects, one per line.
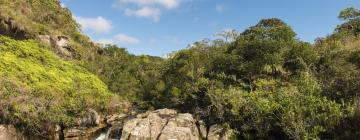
[
  {"x": 120, "y": 39},
  {"x": 126, "y": 39},
  {"x": 150, "y": 9},
  {"x": 168, "y": 4},
  {"x": 98, "y": 24},
  {"x": 145, "y": 12},
  {"x": 105, "y": 41}
]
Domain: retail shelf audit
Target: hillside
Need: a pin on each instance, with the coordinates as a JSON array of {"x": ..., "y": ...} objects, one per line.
[
  {"x": 30, "y": 18},
  {"x": 38, "y": 87}
]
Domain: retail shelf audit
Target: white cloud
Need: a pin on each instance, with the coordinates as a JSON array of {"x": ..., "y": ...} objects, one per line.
[
  {"x": 126, "y": 39},
  {"x": 151, "y": 9},
  {"x": 98, "y": 24},
  {"x": 219, "y": 8},
  {"x": 105, "y": 41},
  {"x": 168, "y": 4},
  {"x": 145, "y": 12}
]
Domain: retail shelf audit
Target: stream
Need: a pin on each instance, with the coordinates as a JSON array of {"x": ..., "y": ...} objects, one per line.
[
  {"x": 108, "y": 133},
  {"x": 104, "y": 135}
]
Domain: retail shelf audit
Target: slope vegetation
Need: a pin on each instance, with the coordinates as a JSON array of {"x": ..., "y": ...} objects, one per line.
[{"x": 36, "y": 86}]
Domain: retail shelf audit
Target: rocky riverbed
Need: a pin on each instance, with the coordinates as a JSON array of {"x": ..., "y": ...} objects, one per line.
[{"x": 163, "y": 124}]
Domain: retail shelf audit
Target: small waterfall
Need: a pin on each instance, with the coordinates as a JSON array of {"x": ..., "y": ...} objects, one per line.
[{"x": 104, "y": 135}]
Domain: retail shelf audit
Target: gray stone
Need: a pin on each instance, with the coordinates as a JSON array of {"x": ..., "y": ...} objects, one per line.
[
  {"x": 9, "y": 132},
  {"x": 161, "y": 124},
  {"x": 62, "y": 45},
  {"x": 74, "y": 132},
  {"x": 90, "y": 118},
  {"x": 46, "y": 39}
]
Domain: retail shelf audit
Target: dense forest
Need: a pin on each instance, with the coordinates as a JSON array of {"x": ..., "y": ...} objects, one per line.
[{"x": 261, "y": 83}]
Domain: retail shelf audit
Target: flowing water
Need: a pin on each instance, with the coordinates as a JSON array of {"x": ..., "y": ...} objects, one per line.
[{"x": 104, "y": 135}]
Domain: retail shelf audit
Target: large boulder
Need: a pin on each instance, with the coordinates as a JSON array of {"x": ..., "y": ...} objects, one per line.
[
  {"x": 9, "y": 132},
  {"x": 161, "y": 124},
  {"x": 90, "y": 118}
]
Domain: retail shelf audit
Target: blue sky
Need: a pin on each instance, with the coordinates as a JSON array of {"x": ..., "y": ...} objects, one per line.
[{"x": 158, "y": 27}]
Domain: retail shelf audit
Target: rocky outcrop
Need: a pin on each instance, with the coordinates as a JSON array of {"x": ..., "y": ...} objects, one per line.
[
  {"x": 60, "y": 43},
  {"x": 86, "y": 126},
  {"x": 166, "y": 124},
  {"x": 161, "y": 124},
  {"x": 116, "y": 122},
  {"x": 9, "y": 132},
  {"x": 90, "y": 118}
]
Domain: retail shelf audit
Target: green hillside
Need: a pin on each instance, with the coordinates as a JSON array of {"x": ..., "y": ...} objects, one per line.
[{"x": 38, "y": 86}]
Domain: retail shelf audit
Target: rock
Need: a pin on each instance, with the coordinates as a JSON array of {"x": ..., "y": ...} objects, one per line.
[
  {"x": 181, "y": 127},
  {"x": 217, "y": 132},
  {"x": 165, "y": 112},
  {"x": 82, "y": 133},
  {"x": 62, "y": 45},
  {"x": 74, "y": 132},
  {"x": 91, "y": 118},
  {"x": 9, "y": 132},
  {"x": 115, "y": 118},
  {"x": 46, "y": 39},
  {"x": 177, "y": 133},
  {"x": 202, "y": 129},
  {"x": 62, "y": 41},
  {"x": 161, "y": 124},
  {"x": 57, "y": 132},
  {"x": 116, "y": 122}
]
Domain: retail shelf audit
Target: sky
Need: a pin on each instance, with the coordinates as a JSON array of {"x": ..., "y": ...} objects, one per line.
[{"x": 159, "y": 27}]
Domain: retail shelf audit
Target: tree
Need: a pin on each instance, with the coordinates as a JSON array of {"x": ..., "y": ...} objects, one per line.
[
  {"x": 272, "y": 29},
  {"x": 350, "y": 13},
  {"x": 352, "y": 25},
  {"x": 300, "y": 58},
  {"x": 259, "y": 51}
]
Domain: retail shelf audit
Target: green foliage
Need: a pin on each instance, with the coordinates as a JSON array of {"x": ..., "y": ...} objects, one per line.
[
  {"x": 113, "y": 68},
  {"x": 135, "y": 78},
  {"x": 352, "y": 25},
  {"x": 301, "y": 57},
  {"x": 349, "y": 13},
  {"x": 338, "y": 76},
  {"x": 259, "y": 51},
  {"x": 280, "y": 112},
  {"x": 265, "y": 84},
  {"x": 36, "y": 86},
  {"x": 355, "y": 58},
  {"x": 270, "y": 29}
]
